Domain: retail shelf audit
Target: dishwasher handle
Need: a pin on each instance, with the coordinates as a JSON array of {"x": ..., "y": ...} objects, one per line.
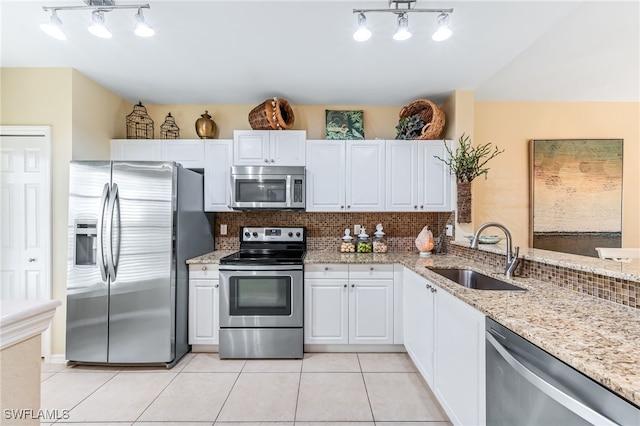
[{"x": 572, "y": 404}]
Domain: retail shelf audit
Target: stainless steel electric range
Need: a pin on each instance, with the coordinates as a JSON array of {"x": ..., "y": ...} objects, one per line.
[{"x": 261, "y": 294}]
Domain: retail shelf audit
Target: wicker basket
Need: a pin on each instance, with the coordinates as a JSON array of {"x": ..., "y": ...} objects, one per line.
[
  {"x": 429, "y": 113},
  {"x": 272, "y": 114}
]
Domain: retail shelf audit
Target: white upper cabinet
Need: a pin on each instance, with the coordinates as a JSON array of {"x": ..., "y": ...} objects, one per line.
[
  {"x": 416, "y": 180},
  {"x": 188, "y": 152},
  {"x": 345, "y": 175},
  {"x": 218, "y": 155},
  {"x": 269, "y": 147}
]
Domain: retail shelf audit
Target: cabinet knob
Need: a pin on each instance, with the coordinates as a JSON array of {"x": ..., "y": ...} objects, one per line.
[
  {"x": 342, "y": 207},
  {"x": 348, "y": 206},
  {"x": 204, "y": 268},
  {"x": 32, "y": 259},
  {"x": 415, "y": 207},
  {"x": 272, "y": 160},
  {"x": 217, "y": 285},
  {"x": 345, "y": 286},
  {"x": 371, "y": 268},
  {"x": 422, "y": 207},
  {"x": 428, "y": 286},
  {"x": 353, "y": 285},
  {"x": 433, "y": 289},
  {"x": 266, "y": 160},
  {"x": 326, "y": 268}
]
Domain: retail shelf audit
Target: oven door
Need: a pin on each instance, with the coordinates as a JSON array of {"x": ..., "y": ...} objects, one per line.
[{"x": 261, "y": 296}]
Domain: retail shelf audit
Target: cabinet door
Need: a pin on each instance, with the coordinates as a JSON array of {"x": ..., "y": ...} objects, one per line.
[
  {"x": 189, "y": 153},
  {"x": 287, "y": 147},
  {"x": 371, "y": 311},
  {"x": 251, "y": 147},
  {"x": 365, "y": 182},
  {"x": 325, "y": 176},
  {"x": 326, "y": 319},
  {"x": 217, "y": 190},
  {"x": 402, "y": 175},
  {"x": 459, "y": 360},
  {"x": 203, "y": 312},
  {"x": 418, "y": 322},
  {"x": 434, "y": 177},
  {"x": 136, "y": 150}
]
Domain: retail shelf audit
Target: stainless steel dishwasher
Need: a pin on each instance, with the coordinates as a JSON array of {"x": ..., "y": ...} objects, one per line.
[{"x": 528, "y": 386}]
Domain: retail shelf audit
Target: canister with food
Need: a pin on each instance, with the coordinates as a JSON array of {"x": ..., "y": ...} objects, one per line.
[
  {"x": 347, "y": 245},
  {"x": 379, "y": 242},
  {"x": 364, "y": 242}
]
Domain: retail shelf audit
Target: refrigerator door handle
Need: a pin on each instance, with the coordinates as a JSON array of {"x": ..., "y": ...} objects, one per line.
[
  {"x": 111, "y": 259},
  {"x": 101, "y": 254}
]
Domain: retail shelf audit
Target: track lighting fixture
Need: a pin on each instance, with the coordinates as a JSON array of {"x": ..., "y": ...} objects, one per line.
[
  {"x": 53, "y": 26},
  {"x": 142, "y": 29},
  {"x": 443, "y": 32},
  {"x": 402, "y": 30},
  {"x": 363, "y": 33},
  {"x": 97, "y": 27},
  {"x": 402, "y": 8}
]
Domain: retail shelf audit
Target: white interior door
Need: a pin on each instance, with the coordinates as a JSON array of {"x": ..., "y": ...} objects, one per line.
[{"x": 25, "y": 215}]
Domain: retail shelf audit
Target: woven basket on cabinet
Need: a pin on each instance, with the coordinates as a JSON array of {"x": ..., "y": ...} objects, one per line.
[
  {"x": 429, "y": 113},
  {"x": 272, "y": 114}
]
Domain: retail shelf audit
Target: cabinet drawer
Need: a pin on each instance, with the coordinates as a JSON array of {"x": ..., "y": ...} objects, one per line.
[
  {"x": 371, "y": 270},
  {"x": 325, "y": 270},
  {"x": 203, "y": 271}
]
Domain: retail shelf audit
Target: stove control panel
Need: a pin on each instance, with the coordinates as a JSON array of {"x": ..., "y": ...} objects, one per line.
[{"x": 273, "y": 234}]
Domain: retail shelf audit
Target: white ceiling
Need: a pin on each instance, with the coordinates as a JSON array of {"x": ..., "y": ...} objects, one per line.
[{"x": 242, "y": 52}]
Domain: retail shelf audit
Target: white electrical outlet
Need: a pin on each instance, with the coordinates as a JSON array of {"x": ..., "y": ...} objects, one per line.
[
  {"x": 449, "y": 230},
  {"x": 356, "y": 229},
  {"x": 223, "y": 229}
]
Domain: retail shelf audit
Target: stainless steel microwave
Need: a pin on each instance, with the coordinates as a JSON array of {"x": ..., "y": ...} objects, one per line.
[{"x": 271, "y": 187}]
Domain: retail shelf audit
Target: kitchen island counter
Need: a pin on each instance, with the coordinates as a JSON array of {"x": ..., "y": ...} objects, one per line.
[{"x": 595, "y": 336}]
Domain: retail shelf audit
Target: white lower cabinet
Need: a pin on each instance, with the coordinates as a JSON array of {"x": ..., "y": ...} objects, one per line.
[
  {"x": 459, "y": 360},
  {"x": 445, "y": 339},
  {"x": 348, "y": 304},
  {"x": 419, "y": 315},
  {"x": 204, "y": 293}
]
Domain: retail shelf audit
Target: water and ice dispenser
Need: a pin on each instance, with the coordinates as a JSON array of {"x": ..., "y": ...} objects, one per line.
[{"x": 86, "y": 251}]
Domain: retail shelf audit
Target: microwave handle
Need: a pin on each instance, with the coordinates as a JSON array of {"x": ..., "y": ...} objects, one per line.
[{"x": 289, "y": 191}]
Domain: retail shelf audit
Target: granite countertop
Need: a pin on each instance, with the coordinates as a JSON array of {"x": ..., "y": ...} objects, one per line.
[
  {"x": 213, "y": 257},
  {"x": 595, "y": 336}
]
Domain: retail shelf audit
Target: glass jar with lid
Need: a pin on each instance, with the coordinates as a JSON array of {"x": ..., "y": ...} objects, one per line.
[
  {"x": 364, "y": 242},
  {"x": 379, "y": 242},
  {"x": 347, "y": 245}
]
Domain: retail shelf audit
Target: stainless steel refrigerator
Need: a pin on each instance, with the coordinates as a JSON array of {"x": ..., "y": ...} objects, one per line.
[{"x": 132, "y": 225}]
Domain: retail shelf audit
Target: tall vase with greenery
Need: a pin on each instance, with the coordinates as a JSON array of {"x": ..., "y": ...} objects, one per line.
[{"x": 467, "y": 163}]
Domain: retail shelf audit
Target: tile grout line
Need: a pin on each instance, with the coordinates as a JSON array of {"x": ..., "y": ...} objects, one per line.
[
  {"x": 364, "y": 382},
  {"x": 229, "y": 394},
  {"x": 159, "y": 393}
]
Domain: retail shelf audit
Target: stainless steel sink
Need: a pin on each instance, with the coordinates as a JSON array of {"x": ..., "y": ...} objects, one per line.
[{"x": 475, "y": 280}]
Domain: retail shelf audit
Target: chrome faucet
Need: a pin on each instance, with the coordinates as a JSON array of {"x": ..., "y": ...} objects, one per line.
[{"x": 512, "y": 258}]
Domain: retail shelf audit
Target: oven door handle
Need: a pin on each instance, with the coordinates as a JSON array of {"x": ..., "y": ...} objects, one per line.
[
  {"x": 567, "y": 401},
  {"x": 260, "y": 268}
]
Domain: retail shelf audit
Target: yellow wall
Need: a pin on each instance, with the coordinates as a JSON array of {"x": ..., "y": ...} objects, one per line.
[
  {"x": 82, "y": 116},
  {"x": 97, "y": 115},
  {"x": 504, "y": 197},
  {"x": 379, "y": 121}
]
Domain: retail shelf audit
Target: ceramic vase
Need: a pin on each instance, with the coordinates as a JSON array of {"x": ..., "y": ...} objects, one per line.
[{"x": 464, "y": 202}]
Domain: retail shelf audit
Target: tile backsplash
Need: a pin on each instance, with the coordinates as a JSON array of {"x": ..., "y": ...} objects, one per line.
[{"x": 324, "y": 230}]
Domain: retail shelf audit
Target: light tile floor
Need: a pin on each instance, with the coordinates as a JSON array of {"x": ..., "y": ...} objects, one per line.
[{"x": 323, "y": 389}]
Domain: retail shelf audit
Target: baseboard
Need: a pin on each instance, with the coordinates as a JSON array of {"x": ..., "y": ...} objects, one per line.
[
  {"x": 354, "y": 348},
  {"x": 58, "y": 359}
]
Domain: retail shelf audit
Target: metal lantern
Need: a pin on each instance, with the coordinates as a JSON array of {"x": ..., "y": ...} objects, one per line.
[
  {"x": 139, "y": 124},
  {"x": 169, "y": 129}
]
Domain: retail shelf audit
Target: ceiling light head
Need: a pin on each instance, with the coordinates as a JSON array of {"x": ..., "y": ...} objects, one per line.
[
  {"x": 53, "y": 27},
  {"x": 142, "y": 29},
  {"x": 363, "y": 33},
  {"x": 402, "y": 31},
  {"x": 97, "y": 27},
  {"x": 443, "y": 32}
]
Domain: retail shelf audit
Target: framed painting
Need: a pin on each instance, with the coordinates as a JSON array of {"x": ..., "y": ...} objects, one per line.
[
  {"x": 576, "y": 195},
  {"x": 344, "y": 124}
]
